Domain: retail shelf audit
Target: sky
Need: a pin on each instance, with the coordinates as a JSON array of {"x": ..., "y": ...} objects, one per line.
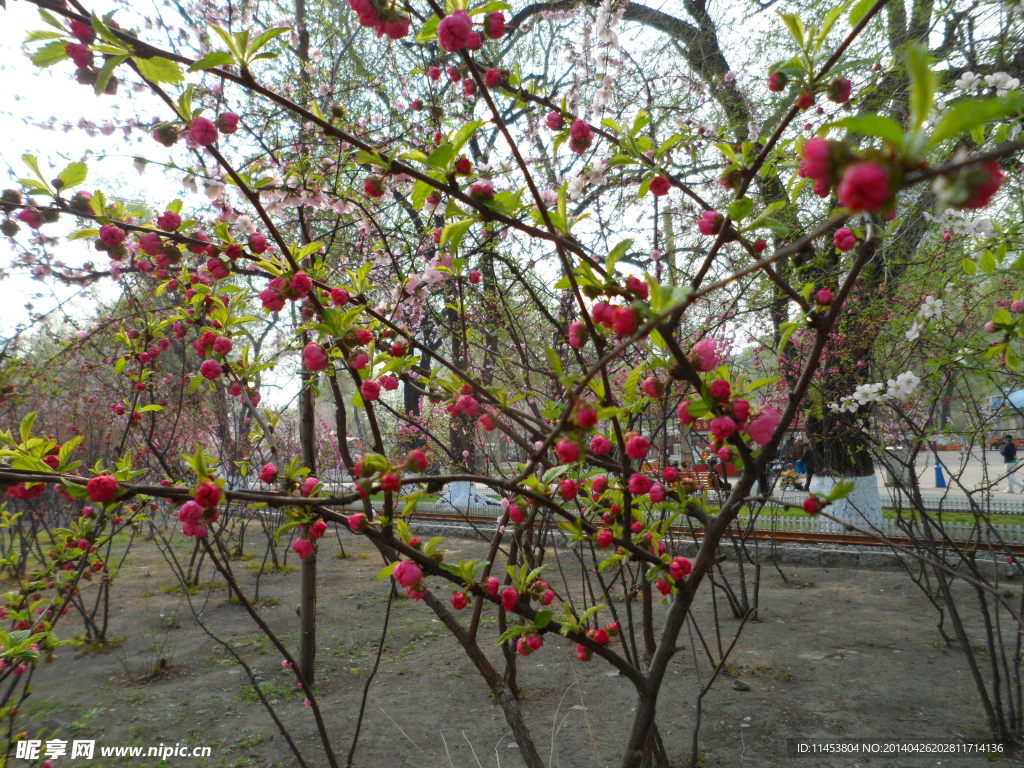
[{"x": 33, "y": 97}]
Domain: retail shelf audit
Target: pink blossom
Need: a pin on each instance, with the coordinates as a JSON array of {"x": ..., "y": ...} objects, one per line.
[
  {"x": 407, "y": 573},
  {"x": 839, "y": 90},
  {"x": 600, "y": 445},
  {"x": 227, "y": 122},
  {"x": 314, "y": 357},
  {"x": 983, "y": 181},
  {"x": 202, "y": 131},
  {"x": 685, "y": 418},
  {"x": 494, "y": 25},
  {"x": 454, "y": 31},
  {"x": 722, "y": 427},
  {"x": 111, "y": 235},
  {"x": 720, "y": 389},
  {"x": 370, "y": 390},
  {"x": 30, "y": 218},
  {"x": 509, "y": 598},
  {"x": 301, "y": 283},
  {"x": 763, "y": 427},
  {"x": 680, "y": 567},
  {"x": 652, "y": 387},
  {"x": 568, "y": 451},
  {"x": 302, "y": 547},
  {"x": 79, "y": 54},
  {"x": 637, "y": 447},
  {"x": 581, "y": 136},
  {"x": 624, "y": 321},
  {"x": 710, "y": 222},
  {"x": 257, "y": 243},
  {"x": 844, "y": 239},
  {"x": 659, "y": 186},
  {"x": 210, "y": 369},
  {"x": 418, "y": 459},
  {"x": 741, "y": 409},
  {"x": 271, "y": 300},
  {"x": 639, "y": 484},
  {"x": 864, "y": 187},
  {"x": 704, "y": 355},
  {"x": 102, "y": 488},
  {"x": 269, "y": 473}
]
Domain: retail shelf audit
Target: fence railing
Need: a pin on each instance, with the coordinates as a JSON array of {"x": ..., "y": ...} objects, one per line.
[{"x": 1008, "y": 534}]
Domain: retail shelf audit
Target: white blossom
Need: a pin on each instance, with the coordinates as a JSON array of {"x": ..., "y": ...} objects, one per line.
[
  {"x": 903, "y": 386},
  {"x": 968, "y": 81},
  {"x": 1002, "y": 82},
  {"x": 931, "y": 308}
]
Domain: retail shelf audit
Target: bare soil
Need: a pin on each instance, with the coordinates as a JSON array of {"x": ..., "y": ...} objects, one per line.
[{"x": 833, "y": 654}]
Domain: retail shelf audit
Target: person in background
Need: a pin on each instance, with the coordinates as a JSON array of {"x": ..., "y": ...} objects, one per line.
[
  {"x": 810, "y": 462},
  {"x": 1009, "y": 453}
]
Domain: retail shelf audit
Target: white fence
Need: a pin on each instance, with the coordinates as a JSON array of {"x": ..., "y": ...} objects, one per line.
[{"x": 997, "y": 533}]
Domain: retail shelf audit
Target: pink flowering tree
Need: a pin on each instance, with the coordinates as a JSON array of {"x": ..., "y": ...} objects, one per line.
[{"x": 486, "y": 265}]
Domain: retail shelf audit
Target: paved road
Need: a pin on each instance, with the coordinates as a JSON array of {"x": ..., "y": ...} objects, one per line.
[{"x": 982, "y": 474}]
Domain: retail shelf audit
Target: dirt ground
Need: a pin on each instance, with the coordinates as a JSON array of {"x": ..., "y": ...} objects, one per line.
[{"x": 835, "y": 654}]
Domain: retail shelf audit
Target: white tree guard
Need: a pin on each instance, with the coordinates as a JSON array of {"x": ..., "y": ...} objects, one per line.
[{"x": 863, "y": 507}]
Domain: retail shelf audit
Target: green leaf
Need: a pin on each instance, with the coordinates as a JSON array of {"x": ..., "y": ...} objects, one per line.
[
  {"x": 428, "y": 31},
  {"x": 968, "y": 114},
  {"x": 420, "y": 193},
  {"x": 873, "y": 125},
  {"x": 371, "y": 158},
  {"x": 795, "y": 25},
  {"x": 859, "y": 10},
  {"x": 465, "y": 133},
  {"x": 158, "y": 69},
  {"x": 740, "y": 209},
  {"x": 441, "y": 157},
  {"x": 969, "y": 266},
  {"x": 987, "y": 262},
  {"x": 514, "y": 632},
  {"x": 106, "y": 72},
  {"x": 611, "y": 125},
  {"x": 73, "y": 175},
  {"x": 67, "y": 447},
  {"x": 49, "y": 54},
  {"x": 387, "y": 570},
  {"x": 554, "y": 361},
  {"x": 922, "y": 84},
  {"x": 542, "y": 619},
  {"x": 753, "y": 387},
  {"x": 211, "y": 60},
  {"x": 641, "y": 121},
  {"x": 26, "y": 425},
  {"x": 42, "y": 34},
  {"x": 452, "y": 234},
  {"x": 260, "y": 42},
  {"x": 617, "y": 253},
  {"x": 591, "y": 611},
  {"x": 826, "y": 26},
  {"x": 229, "y": 40}
]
